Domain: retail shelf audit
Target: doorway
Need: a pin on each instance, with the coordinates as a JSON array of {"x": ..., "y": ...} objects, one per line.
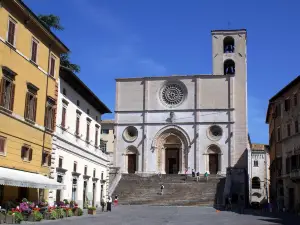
[
  {"x": 84, "y": 194},
  {"x": 131, "y": 163},
  {"x": 291, "y": 198},
  {"x": 172, "y": 161},
  {"x": 213, "y": 163}
]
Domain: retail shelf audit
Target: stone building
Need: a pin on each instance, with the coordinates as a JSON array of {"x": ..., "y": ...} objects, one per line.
[
  {"x": 108, "y": 138},
  {"x": 259, "y": 174},
  {"x": 77, "y": 159},
  {"x": 171, "y": 124},
  {"x": 283, "y": 119}
]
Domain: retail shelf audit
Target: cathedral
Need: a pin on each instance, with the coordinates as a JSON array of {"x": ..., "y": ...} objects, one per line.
[{"x": 173, "y": 124}]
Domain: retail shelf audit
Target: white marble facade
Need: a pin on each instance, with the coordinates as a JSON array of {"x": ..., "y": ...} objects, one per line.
[
  {"x": 87, "y": 181},
  {"x": 173, "y": 123}
]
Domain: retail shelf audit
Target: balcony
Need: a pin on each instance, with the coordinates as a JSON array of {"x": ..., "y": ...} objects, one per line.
[{"x": 295, "y": 175}]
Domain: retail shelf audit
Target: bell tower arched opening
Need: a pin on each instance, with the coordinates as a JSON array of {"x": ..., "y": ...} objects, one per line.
[
  {"x": 229, "y": 67},
  {"x": 228, "y": 44}
]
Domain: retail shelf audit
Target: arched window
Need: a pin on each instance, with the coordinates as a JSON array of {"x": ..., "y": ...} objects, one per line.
[
  {"x": 228, "y": 44},
  {"x": 229, "y": 67},
  {"x": 255, "y": 183}
]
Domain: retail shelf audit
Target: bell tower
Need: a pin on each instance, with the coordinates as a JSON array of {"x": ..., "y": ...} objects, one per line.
[{"x": 229, "y": 52}]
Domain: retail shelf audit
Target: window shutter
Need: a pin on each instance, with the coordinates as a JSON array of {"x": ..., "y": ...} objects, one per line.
[
  {"x": 26, "y": 113},
  {"x": 43, "y": 158},
  {"x": 2, "y": 90},
  {"x": 34, "y": 107},
  {"x": 12, "y": 96},
  {"x": 34, "y": 48},
  {"x": 63, "y": 117},
  {"x": 52, "y": 66},
  {"x": 77, "y": 125},
  {"x": 11, "y": 32},
  {"x": 2, "y": 142},
  {"x": 53, "y": 118},
  {"x": 30, "y": 154},
  {"x": 23, "y": 152},
  {"x": 49, "y": 160}
]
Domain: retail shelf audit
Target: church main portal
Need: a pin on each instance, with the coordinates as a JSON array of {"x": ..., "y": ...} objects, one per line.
[{"x": 172, "y": 160}]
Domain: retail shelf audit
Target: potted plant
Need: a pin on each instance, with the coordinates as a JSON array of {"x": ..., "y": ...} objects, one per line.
[
  {"x": 10, "y": 218},
  {"x": 80, "y": 212},
  {"x": 92, "y": 210},
  {"x": 37, "y": 216}
]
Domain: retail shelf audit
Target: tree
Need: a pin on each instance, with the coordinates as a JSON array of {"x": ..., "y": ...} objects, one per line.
[{"x": 53, "y": 22}]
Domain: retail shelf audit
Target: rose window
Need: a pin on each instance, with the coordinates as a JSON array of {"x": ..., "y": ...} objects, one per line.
[{"x": 172, "y": 94}]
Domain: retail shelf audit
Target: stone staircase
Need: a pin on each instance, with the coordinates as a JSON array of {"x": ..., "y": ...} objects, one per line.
[{"x": 136, "y": 190}]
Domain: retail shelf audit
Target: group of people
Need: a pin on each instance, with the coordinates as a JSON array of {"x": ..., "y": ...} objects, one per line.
[
  {"x": 108, "y": 203},
  {"x": 197, "y": 175}
]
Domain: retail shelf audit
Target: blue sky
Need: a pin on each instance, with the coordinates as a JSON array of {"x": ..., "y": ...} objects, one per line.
[{"x": 136, "y": 38}]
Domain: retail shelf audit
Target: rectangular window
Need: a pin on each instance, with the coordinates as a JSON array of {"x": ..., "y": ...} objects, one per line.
[
  {"x": 7, "y": 93},
  {"x": 77, "y": 124},
  {"x": 30, "y": 106},
  {"x": 101, "y": 175},
  {"x": 34, "y": 48},
  {"x": 294, "y": 162},
  {"x": 2, "y": 145},
  {"x": 46, "y": 159},
  {"x": 255, "y": 163},
  {"x": 278, "y": 134},
  {"x": 60, "y": 162},
  {"x": 87, "y": 131},
  {"x": 288, "y": 127},
  {"x": 288, "y": 165},
  {"x": 75, "y": 167},
  {"x": 295, "y": 99},
  {"x": 52, "y": 66},
  {"x": 85, "y": 170},
  {"x": 104, "y": 131},
  {"x": 96, "y": 136},
  {"x": 50, "y": 115},
  {"x": 296, "y": 126},
  {"x": 94, "y": 173},
  {"x": 26, "y": 153},
  {"x": 63, "y": 117},
  {"x": 11, "y": 34},
  {"x": 278, "y": 110},
  {"x": 103, "y": 145},
  {"x": 287, "y": 104}
]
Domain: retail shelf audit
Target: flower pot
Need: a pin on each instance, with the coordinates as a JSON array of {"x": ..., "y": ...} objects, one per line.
[
  {"x": 10, "y": 219},
  {"x": 91, "y": 211},
  {"x": 75, "y": 211}
]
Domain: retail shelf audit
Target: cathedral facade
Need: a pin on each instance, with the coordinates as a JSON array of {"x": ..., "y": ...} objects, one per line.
[{"x": 171, "y": 124}]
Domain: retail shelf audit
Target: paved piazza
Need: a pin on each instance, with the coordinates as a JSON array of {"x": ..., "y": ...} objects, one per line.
[{"x": 160, "y": 215}]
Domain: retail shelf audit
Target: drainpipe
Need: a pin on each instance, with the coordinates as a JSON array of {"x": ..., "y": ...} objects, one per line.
[{"x": 44, "y": 133}]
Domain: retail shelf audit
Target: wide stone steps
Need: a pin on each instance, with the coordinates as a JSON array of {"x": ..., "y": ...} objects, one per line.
[{"x": 133, "y": 189}]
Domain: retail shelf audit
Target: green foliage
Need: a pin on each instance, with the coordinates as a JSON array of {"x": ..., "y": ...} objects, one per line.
[
  {"x": 37, "y": 216},
  {"x": 51, "y": 21},
  {"x": 65, "y": 61},
  {"x": 24, "y": 200},
  {"x": 91, "y": 208},
  {"x": 53, "y": 215},
  {"x": 66, "y": 201},
  {"x": 80, "y": 211},
  {"x": 18, "y": 217},
  {"x": 70, "y": 213}
]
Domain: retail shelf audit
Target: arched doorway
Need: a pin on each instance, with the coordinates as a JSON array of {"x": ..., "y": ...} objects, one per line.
[
  {"x": 214, "y": 159},
  {"x": 171, "y": 145},
  {"x": 131, "y": 159}
]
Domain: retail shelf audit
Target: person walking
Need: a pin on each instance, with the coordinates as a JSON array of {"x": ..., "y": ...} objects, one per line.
[
  {"x": 193, "y": 173},
  {"x": 198, "y": 176},
  {"x": 116, "y": 200},
  {"x": 206, "y": 176},
  {"x": 162, "y": 187},
  {"x": 102, "y": 204},
  {"x": 109, "y": 201}
]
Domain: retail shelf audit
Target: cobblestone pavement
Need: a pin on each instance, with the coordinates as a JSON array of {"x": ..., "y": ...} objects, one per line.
[{"x": 164, "y": 215}]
